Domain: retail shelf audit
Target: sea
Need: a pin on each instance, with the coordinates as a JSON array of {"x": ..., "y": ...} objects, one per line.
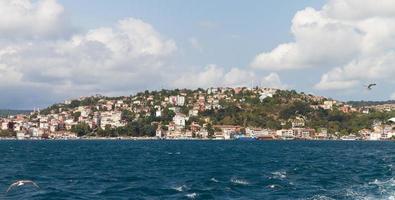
[{"x": 120, "y": 169}]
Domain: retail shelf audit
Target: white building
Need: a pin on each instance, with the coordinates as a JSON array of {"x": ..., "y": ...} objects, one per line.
[
  {"x": 374, "y": 136},
  {"x": 265, "y": 95},
  {"x": 36, "y": 132},
  {"x": 179, "y": 119},
  {"x": 160, "y": 133},
  {"x": 285, "y": 133},
  {"x": 177, "y": 100},
  {"x": 20, "y": 136},
  {"x": 4, "y": 125},
  {"x": 328, "y": 105},
  {"x": 256, "y": 132},
  {"x": 193, "y": 112},
  {"x": 111, "y": 118}
]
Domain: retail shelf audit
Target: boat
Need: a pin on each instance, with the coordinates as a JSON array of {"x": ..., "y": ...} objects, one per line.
[
  {"x": 349, "y": 138},
  {"x": 266, "y": 137},
  {"x": 244, "y": 138}
]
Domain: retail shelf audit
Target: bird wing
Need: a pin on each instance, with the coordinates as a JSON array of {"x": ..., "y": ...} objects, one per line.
[
  {"x": 371, "y": 85},
  {"x": 33, "y": 183},
  {"x": 16, "y": 184},
  {"x": 12, "y": 186}
]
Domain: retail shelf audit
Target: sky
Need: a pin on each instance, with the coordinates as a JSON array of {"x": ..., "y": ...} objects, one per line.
[{"x": 53, "y": 50}]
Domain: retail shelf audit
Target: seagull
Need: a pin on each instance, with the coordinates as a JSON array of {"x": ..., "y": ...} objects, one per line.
[
  {"x": 21, "y": 183},
  {"x": 370, "y": 86}
]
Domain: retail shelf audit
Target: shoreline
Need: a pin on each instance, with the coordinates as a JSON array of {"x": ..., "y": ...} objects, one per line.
[{"x": 182, "y": 139}]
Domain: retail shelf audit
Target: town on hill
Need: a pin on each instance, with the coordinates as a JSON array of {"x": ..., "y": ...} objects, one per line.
[{"x": 213, "y": 113}]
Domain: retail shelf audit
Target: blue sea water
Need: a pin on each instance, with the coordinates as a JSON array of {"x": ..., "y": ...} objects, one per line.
[{"x": 198, "y": 169}]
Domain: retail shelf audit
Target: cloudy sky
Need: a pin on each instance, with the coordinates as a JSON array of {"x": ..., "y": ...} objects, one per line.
[{"x": 52, "y": 50}]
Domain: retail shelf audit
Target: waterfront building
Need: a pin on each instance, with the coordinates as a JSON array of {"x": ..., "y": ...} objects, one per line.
[{"x": 179, "y": 119}]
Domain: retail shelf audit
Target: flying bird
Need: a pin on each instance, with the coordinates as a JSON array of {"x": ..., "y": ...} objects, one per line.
[
  {"x": 21, "y": 183},
  {"x": 370, "y": 86}
]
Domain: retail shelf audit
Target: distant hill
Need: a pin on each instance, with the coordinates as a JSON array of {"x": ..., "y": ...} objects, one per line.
[
  {"x": 7, "y": 112},
  {"x": 369, "y": 103},
  {"x": 258, "y": 108}
]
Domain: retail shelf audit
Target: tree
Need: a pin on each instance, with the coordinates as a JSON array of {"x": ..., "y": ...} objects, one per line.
[
  {"x": 76, "y": 115},
  {"x": 149, "y": 130},
  {"x": 210, "y": 130},
  {"x": 127, "y": 116},
  {"x": 74, "y": 104},
  {"x": 167, "y": 115},
  {"x": 7, "y": 133},
  {"x": 81, "y": 129}
]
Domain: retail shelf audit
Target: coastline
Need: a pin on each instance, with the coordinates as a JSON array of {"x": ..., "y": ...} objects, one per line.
[{"x": 184, "y": 139}]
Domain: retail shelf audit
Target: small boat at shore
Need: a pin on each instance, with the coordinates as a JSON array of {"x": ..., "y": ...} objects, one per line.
[
  {"x": 266, "y": 137},
  {"x": 349, "y": 138},
  {"x": 244, "y": 138}
]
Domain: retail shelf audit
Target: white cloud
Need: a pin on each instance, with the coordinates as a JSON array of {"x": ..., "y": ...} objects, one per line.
[
  {"x": 33, "y": 19},
  {"x": 273, "y": 81},
  {"x": 319, "y": 40},
  {"x": 392, "y": 96},
  {"x": 214, "y": 76},
  {"x": 334, "y": 81},
  {"x": 356, "y": 38},
  {"x": 359, "y": 9},
  {"x": 367, "y": 69},
  {"x": 211, "y": 75},
  {"x": 107, "y": 60}
]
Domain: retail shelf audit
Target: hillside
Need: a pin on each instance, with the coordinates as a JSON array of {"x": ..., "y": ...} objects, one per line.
[{"x": 142, "y": 113}]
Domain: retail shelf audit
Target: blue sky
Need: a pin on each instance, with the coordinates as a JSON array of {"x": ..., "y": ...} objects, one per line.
[
  {"x": 230, "y": 32},
  {"x": 54, "y": 50}
]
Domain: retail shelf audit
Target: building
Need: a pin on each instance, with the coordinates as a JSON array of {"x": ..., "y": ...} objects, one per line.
[
  {"x": 328, "y": 105},
  {"x": 298, "y": 122},
  {"x": 179, "y": 119},
  {"x": 227, "y": 131},
  {"x": 20, "y": 136},
  {"x": 177, "y": 100},
  {"x": 285, "y": 133},
  {"x": 256, "y": 132},
  {"x": 112, "y": 119},
  {"x": 160, "y": 133}
]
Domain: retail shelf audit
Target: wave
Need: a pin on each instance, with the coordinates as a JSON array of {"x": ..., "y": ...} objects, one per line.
[
  {"x": 214, "y": 180},
  {"x": 279, "y": 175},
  {"x": 377, "y": 189},
  {"x": 176, "y": 153},
  {"x": 191, "y": 195},
  {"x": 320, "y": 197},
  {"x": 239, "y": 181},
  {"x": 274, "y": 187},
  {"x": 180, "y": 188},
  {"x": 390, "y": 182}
]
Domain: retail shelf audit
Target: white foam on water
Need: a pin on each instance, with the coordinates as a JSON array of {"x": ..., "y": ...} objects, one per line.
[
  {"x": 180, "y": 188},
  {"x": 279, "y": 175},
  {"x": 387, "y": 183},
  {"x": 274, "y": 186},
  {"x": 191, "y": 195},
  {"x": 214, "y": 180},
  {"x": 385, "y": 190},
  {"x": 320, "y": 197},
  {"x": 171, "y": 153},
  {"x": 239, "y": 181}
]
